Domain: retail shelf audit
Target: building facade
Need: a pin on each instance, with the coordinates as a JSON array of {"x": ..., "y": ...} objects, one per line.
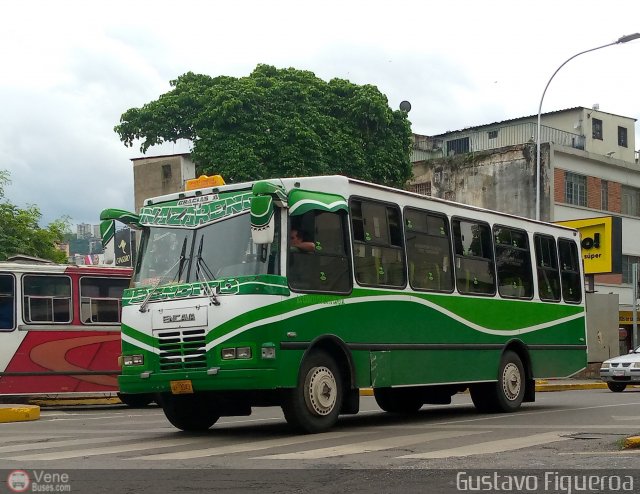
[
  {"x": 588, "y": 169},
  {"x": 159, "y": 175}
]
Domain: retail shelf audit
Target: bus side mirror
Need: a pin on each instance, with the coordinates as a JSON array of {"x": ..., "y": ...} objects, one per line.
[
  {"x": 262, "y": 219},
  {"x": 108, "y": 218}
]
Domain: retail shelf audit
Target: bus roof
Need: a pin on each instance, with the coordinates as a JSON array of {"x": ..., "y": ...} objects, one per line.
[{"x": 342, "y": 185}]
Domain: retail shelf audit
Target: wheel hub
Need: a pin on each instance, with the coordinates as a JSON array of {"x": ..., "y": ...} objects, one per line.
[
  {"x": 511, "y": 381},
  {"x": 322, "y": 391}
]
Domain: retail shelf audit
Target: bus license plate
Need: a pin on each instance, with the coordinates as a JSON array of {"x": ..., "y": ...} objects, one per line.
[{"x": 181, "y": 387}]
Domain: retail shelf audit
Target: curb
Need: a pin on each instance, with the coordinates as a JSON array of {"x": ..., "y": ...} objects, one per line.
[
  {"x": 541, "y": 386},
  {"x": 19, "y": 413},
  {"x": 631, "y": 442},
  {"x": 75, "y": 402}
]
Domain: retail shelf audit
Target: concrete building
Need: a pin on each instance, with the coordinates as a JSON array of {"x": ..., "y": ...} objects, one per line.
[
  {"x": 589, "y": 169},
  {"x": 160, "y": 175},
  {"x": 84, "y": 230}
]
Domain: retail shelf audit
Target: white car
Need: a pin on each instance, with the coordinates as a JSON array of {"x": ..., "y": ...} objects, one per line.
[{"x": 620, "y": 371}]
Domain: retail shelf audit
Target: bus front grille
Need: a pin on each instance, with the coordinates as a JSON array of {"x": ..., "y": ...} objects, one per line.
[{"x": 182, "y": 349}]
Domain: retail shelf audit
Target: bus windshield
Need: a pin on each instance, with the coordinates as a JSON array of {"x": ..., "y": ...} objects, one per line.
[{"x": 217, "y": 250}]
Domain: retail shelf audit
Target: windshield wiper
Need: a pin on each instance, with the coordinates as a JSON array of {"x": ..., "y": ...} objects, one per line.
[
  {"x": 181, "y": 260},
  {"x": 204, "y": 274}
]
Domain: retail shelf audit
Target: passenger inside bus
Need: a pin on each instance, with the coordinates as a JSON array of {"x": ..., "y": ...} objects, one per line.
[{"x": 298, "y": 244}]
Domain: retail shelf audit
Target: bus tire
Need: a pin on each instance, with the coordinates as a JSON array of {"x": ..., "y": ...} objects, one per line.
[
  {"x": 617, "y": 387},
  {"x": 136, "y": 400},
  {"x": 314, "y": 404},
  {"x": 191, "y": 413},
  {"x": 403, "y": 400},
  {"x": 507, "y": 394}
]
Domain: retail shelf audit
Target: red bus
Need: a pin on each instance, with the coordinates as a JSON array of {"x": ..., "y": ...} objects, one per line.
[{"x": 60, "y": 328}]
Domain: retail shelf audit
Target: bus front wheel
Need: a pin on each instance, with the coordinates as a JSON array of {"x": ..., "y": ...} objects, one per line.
[
  {"x": 314, "y": 404},
  {"x": 507, "y": 394},
  {"x": 136, "y": 400},
  {"x": 190, "y": 413}
]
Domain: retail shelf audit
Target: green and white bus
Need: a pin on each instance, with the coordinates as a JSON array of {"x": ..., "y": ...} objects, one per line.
[{"x": 414, "y": 297}]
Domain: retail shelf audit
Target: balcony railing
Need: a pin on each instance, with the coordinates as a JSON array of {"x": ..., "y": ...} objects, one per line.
[{"x": 427, "y": 148}]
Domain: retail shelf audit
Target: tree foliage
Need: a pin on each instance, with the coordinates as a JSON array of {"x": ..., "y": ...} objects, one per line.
[
  {"x": 20, "y": 232},
  {"x": 277, "y": 123}
]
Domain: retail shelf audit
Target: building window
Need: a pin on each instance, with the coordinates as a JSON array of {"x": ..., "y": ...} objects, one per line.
[
  {"x": 493, "y": 134},
  {"x": 166, "y": 172},
  {"x": 627, "y": 268},
  {"x": 622, "y": 136},
  {"x": 458, "y": 146},
  {"x": 575, "y": 189},
  {"x": 604, "y": 195},
  {"x": 630, "y": 201},
  {"x": 596, "y": 128},
  {"x": 423, "y": 188}
]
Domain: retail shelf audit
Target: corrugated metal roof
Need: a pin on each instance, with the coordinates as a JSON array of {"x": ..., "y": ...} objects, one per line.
[{"x": 502, "y": 122}]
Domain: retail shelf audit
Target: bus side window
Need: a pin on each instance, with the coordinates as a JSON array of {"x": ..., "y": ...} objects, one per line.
[
  {"x": 570, "y": 271},
  {"x": 47, "y": 299},
  {"x": 474, "y": 257},
  {"x": 513, "y": 263},
  {"x": 7, "y": 302},
  {"x": 377, "y": 244},
  {"x": 547, "y": 268},
  {"x": 428, "y": 251},
  {"x": 100, "y": 299},
  {"x": 326, "y": 267}
]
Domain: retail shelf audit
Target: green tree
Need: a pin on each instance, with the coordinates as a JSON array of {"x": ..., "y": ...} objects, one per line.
[
  {"x": 20, "y": 232},
  {"x": 275, "y": 123}
]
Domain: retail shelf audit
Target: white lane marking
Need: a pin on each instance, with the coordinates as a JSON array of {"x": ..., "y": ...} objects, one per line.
[
  {"x": 498, "y": 446},
  {"x": 58, "y": 444},
  {"x": 123, "y": 448},
  {"x": 625, "y": 417},
  {"x": 244, "y": 447},
  {"x": 23, "y": 437},
  {"x": 524, "y": 413},
  {"x": 368, "y": 446},
  {"x": 604, "y": 453}
]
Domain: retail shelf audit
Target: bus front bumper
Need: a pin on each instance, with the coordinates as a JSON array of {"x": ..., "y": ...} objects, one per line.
[{"x": 195, "y": 381}]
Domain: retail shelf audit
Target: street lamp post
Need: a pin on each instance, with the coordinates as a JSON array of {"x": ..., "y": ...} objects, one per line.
[{"x": 623, "y": 39}]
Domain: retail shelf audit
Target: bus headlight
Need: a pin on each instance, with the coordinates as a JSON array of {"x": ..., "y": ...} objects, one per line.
[
  {"x": 132, "y": 360},
  {"x": 228, "y": 353},
  {"x": 241, "y": 352}
]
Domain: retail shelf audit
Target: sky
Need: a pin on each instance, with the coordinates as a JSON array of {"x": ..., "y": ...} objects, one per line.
[{"x": 69, "y": 69}]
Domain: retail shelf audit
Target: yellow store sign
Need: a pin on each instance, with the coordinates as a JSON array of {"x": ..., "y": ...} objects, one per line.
[{"x": 601, "y": 240}]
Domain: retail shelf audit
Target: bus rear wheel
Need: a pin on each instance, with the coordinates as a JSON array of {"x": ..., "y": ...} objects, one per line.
[
  {"x": 616, "y": 387},
  {"x": 314, "y": 404},
  {"x": 402, "y": 400},
  {"x": 189, "y": 413},
  {"x": 507, "y": 394}
]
